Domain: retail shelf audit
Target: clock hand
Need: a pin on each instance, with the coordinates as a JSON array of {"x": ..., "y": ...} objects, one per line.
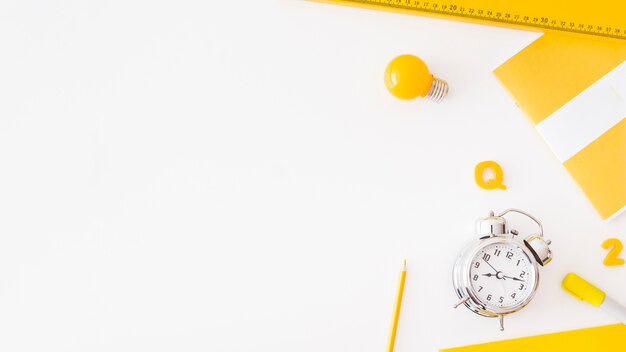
[
  {"x": 514, "y": 278},
  {"x": 494, "y": 269},
  {"x": 496, "y": 275}
]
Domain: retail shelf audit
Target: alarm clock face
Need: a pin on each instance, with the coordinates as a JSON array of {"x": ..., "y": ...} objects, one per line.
[{"x": 502, "y": 277}]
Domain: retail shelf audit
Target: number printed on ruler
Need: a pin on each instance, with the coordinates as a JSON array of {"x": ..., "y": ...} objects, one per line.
[{"x": 572, "y": 17}]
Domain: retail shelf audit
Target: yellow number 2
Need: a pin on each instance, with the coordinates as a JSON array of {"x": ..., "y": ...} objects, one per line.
[{"x": 611, "y": 258}]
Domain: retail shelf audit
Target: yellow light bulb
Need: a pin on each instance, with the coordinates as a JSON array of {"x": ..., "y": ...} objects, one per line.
[{"x": 407, "y": 77}]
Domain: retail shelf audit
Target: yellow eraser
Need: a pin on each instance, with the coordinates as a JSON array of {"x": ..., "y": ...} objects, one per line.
[{"x": 582, "y": 289}]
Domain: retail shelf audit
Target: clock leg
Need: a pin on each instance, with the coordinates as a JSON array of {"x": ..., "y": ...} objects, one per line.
[
  {"x": 501, "y": 322},
  {"x": 461, "y": 302}
]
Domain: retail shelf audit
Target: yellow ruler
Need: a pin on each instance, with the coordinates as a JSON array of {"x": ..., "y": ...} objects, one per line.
[{"x": 605, "y": 18}]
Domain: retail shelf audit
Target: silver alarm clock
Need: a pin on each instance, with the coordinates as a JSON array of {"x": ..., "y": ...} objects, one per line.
[{"x": 498, "y": 274}]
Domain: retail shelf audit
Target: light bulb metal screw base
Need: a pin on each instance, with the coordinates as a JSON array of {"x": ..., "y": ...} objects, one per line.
[{"x": 438, "y": 90}]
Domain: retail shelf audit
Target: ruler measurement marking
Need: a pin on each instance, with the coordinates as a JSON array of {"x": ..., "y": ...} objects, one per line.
[{"x": 452, "y": 9}]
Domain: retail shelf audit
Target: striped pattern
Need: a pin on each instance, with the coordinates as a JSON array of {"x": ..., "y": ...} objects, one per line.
[
  {"x": 574, "y": 90},
  {"x": 587, "y": 116}
]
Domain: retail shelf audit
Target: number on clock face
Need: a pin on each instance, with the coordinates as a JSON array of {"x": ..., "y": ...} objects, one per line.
[{"x": 501, "y": 275}]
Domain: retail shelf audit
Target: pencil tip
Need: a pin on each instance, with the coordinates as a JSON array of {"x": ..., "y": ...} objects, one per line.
[{"x": 404, "y": 264}]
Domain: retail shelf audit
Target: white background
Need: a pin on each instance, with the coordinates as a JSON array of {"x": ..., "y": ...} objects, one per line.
[{"x": 195, "y": 176}]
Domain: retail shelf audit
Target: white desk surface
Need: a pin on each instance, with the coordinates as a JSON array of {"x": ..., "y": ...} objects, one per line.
[{"x": 193, "y": 176}]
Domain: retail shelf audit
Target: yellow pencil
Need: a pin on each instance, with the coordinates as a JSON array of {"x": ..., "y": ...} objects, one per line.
[{"x": 396, "y": 309}]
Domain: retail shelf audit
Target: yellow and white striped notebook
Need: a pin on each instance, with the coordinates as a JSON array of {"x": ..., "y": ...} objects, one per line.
[{"x": 573, "y": 90}]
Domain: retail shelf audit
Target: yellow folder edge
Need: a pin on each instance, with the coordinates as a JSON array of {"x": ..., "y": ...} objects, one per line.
[
  {"x": 550, "y": 72},
  {"x": 600, "y": 170},
  {"x": 555, "y": 68},
  {"x": 608, "y": 338}
]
